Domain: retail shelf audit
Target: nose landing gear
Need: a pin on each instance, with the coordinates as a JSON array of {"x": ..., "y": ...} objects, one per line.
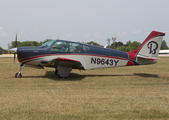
[{"x": 18, "y": 74}]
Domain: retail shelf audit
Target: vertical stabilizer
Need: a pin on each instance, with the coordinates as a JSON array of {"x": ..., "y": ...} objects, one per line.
[{"x": 147, "y": 52}]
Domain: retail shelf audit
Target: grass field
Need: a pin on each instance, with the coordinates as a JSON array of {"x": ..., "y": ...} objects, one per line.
[{"x": 137, "y": 92}]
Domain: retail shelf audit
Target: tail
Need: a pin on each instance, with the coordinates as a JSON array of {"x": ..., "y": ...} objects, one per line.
[{"x": 147, "y": 52}]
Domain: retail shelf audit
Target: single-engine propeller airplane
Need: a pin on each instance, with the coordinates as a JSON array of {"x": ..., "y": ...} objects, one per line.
[{"x": 66, "y": 55}]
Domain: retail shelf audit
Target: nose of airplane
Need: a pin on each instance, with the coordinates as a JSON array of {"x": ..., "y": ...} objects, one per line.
[{"x": 13, "y": 50}]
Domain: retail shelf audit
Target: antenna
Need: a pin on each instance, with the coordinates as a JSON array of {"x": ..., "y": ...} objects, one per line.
[
  {"x": 8, "y": 47},
  {"x": 114, "y": 42},
  {"x": 108, "y": 41}
]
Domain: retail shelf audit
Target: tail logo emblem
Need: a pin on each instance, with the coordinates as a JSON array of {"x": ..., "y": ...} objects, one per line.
[{"x": 153, "y": 46}]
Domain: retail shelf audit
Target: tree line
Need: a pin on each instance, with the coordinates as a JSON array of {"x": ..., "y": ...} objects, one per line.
[{"x": 129, "y": 46}]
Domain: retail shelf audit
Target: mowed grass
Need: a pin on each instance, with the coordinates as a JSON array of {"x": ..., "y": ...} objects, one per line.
[{"x": 136, "y": 92}]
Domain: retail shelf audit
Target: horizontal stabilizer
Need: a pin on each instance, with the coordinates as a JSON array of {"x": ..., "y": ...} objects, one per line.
[{"x": 148, "y": 58}]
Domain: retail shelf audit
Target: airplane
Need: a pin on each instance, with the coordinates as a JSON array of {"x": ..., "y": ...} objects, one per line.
[
  {"x": 67, "y": 55},
  {"x": 164, "y": 52}
]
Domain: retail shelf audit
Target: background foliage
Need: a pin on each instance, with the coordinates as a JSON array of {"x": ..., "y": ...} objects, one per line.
[{"x": 129, "y": 46}]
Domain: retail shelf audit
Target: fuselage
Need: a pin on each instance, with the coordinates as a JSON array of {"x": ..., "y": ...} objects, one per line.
[{"x": 89, "y": 56}]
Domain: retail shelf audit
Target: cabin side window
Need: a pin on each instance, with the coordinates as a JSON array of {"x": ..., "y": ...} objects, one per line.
[
  {"x": 86, "y": 48},
  {"x": 75, "y": 48},
  {"x": 60, "y": 47}
]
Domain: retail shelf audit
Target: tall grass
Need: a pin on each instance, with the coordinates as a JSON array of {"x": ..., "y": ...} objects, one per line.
[{"x": 137, "y": 92}]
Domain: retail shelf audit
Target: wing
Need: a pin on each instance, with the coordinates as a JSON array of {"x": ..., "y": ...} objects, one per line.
[{"x": 64, "y": 62}]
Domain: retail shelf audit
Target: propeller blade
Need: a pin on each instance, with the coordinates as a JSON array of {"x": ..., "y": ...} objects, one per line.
[
  {"x": 15, "y": 47},
  {"x": 16, "y": 41},
  {"x": 14, "y": 56}
]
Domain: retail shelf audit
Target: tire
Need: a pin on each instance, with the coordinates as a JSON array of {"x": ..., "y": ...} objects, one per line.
[{"x": 18, "y": 75}]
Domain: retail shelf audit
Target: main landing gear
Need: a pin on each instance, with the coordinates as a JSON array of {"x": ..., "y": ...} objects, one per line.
[
  {"x": 18, "y": 74},
  {"x": 62, "y": 71},
  {"x": 57, "y": 73}
]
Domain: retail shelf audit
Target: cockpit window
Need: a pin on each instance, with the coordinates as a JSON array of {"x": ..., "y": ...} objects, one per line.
[
  {"x": 60, "y": 46},
  {"x": 48, "y": 44}
]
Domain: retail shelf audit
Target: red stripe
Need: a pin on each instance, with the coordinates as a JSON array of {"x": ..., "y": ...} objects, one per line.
[
  {"x": 66, "y": 59},
  {"x": 131, "y": 55},
  {"x": 129, "y": 63}
]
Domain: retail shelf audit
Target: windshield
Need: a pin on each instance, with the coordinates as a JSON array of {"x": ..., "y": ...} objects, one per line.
[{"x": 48, "y": 44}]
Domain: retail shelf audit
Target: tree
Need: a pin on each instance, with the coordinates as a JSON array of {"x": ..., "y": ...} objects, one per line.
[
  {"x": 26, "y": 43},
  {"x": 2, "y": 51},
  {"x": 117, "y": 44},
  {"x": 94, "y": 43},
  {"x": 135, "y": 45},
  {"x": 129, "y": 46},
  {"x": 128, "y": 43},
  {"x": 121, "y": 48},
  {"x": 35, "y": 43},
  {"x": 18, "y": 44},
  {"x": 164, "y": 45}
]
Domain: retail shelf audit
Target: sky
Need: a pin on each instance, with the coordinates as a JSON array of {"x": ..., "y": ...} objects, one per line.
[{"x": 82, "y": 20}]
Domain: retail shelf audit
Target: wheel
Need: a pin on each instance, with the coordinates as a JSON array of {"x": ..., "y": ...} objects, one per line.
[
  {"x": 18, "y": 75},
  {"x": 60, "y": 77}
]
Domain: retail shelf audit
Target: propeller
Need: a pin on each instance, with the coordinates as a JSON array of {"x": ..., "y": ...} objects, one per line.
[
  {"x": 15, "y": 47},
  {"x": 14, "y": 50}
]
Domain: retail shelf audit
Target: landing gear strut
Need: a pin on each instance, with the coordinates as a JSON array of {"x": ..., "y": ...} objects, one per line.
[{"x": 18, "y": 74}]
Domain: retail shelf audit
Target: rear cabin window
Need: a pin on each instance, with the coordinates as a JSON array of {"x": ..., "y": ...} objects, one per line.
[
  {"x": 86, "y": 48},
  {"x": 75, "y": 48},
  {"x": 60, "y": 47}
]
